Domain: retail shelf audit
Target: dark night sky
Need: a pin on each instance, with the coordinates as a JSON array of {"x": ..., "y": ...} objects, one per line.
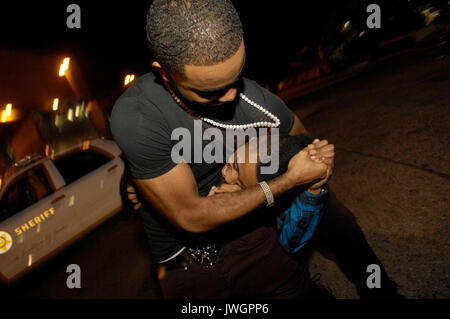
[{"x": 112, "y": 39}]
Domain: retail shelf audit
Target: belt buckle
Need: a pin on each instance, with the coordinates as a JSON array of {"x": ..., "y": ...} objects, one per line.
[{"x": 204, "y": 255}]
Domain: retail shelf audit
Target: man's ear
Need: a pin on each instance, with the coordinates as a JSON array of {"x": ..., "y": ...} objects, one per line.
[
  {"x": 229, "y": 174},
  {"x": 157, "y": 66}
]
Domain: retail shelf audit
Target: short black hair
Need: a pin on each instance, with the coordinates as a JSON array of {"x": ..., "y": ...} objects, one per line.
[
  {"x": 288, "y": 147},
  {"x": 196, "y": 32}
]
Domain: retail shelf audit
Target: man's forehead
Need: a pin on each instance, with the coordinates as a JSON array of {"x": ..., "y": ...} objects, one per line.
[{"x": 216, "y": 76}]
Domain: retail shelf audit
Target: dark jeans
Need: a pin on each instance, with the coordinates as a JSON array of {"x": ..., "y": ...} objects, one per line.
[
  {"x": 339, "y": 237},
  {"x": 256, "y": 266},
  {"x": 253, "y": 266}
]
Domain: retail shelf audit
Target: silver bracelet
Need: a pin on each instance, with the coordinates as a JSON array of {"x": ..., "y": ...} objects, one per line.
[{"x": 269, "y": 196}]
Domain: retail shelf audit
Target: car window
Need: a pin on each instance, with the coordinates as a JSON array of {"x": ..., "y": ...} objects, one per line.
[
  {"x": 26, "y": 191},
  {"x": 77, "y": 165}
]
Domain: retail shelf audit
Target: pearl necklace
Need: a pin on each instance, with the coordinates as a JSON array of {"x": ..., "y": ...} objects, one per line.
[{"x": 275, "y": 123}]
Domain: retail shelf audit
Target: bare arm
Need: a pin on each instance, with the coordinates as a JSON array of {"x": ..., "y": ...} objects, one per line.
[
  {"x": 175, "y": 195},
  {"x": 298, "y": 127}
]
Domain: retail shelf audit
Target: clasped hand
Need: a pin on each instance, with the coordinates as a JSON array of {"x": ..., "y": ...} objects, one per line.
[{"x": 313, "y": 165}]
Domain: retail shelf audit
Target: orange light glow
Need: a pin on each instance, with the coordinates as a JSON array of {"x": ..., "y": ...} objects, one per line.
[
  {"x": 64, "y": 67},
  {"x": 85, "y": 145},
  {"x": 128, "y": 79},
  {"x": 55, "y": 104},
  {"x": 13, "y": 115},
  {"x": 8, "y": 109}
]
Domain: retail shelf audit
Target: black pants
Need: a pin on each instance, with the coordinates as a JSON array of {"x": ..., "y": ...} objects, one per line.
[
  {"x": 245, "y": 266},
  {"x": 339, "y": 237},
  {"x": 253, "y": 266}
]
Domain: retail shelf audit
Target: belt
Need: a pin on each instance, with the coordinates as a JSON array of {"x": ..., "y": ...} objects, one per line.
[
  {"x": 179, "y": 261},
  {"x": 202, "y": 255},
  {"x": 205, "y": 255}
]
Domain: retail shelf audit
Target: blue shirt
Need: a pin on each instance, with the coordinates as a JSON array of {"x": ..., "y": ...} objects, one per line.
[{"x": 297, "y": 224}]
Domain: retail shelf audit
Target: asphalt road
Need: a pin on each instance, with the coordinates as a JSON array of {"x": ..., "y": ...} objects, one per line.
[{"x": 390, "y": 127}]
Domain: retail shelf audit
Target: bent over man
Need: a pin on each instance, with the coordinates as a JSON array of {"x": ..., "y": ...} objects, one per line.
[{"x": 210, "y": 246}]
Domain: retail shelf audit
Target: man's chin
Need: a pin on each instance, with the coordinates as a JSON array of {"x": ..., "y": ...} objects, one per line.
[
  {"x": 207, "y": 106},
  {"x": 214, "y": 105}
]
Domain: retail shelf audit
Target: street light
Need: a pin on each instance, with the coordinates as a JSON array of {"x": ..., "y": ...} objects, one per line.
[
  {"x": 65, "y": 72},
  {"x": 346, "y": 26},
  {"x": 70, "y": 115},
  {"x": 8, "y": 109},
  {"x": 55, "y": 104},
  {"x": 64, "y": 67},
  {"x": 128, "y": 79},
  {"x": 6, "y": 114}
]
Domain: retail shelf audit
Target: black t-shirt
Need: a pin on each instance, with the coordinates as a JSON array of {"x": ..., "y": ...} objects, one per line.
[{"x": 142, "y": 122}]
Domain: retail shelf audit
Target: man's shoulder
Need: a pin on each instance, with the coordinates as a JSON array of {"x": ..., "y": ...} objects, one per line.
[
  {"x": 142, "y": 90},
  {"x": 271, "y": 102},
  {"x": 138, "y": 99},
  {"x": 251, "y": 84},
  {"x": 136, "y": 107},
  {"x": 253, "y": 88}
]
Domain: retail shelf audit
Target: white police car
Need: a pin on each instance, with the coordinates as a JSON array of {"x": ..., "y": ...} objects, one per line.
[{"x": 45, "y": 204}]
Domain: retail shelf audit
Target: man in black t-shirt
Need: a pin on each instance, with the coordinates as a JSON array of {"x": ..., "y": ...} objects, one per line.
[
  {"x": 219, "y": 246},
  {"x": 142, "y": 122}
]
